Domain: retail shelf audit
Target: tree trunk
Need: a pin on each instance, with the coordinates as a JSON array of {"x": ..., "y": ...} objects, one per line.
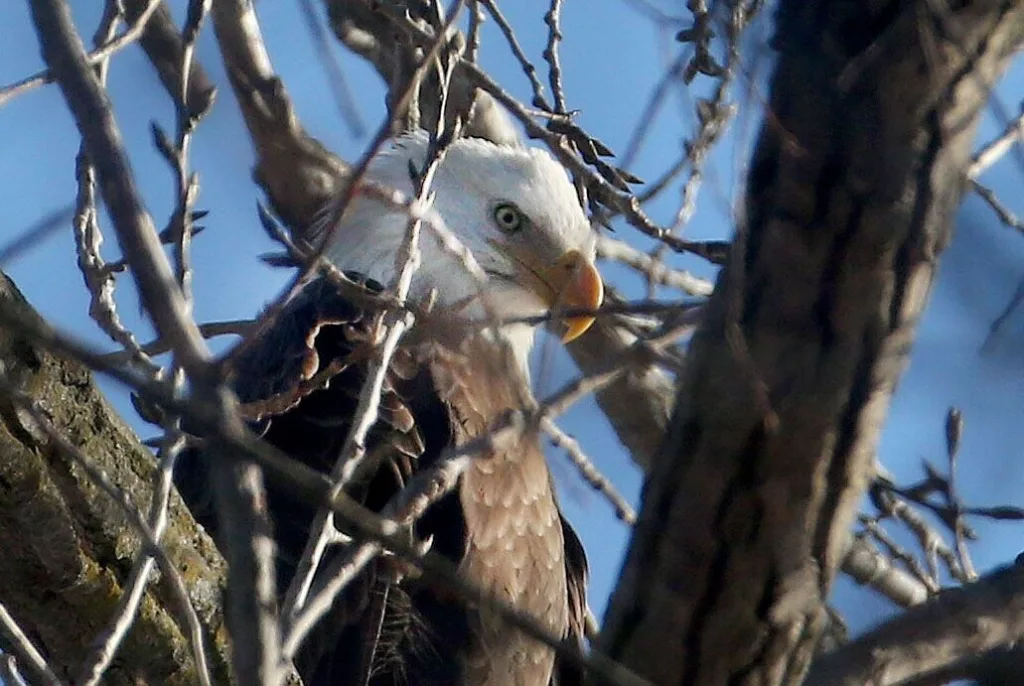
[
  {"x": 66, "y": 548},
  {"x": 855, "y": 181},
  {"x": 854, "y": 185}
]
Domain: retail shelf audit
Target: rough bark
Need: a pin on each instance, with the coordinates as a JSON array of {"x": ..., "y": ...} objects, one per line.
[
  {"x": 748, "y": 510},
  {"x": 67, "y": 548},
  {"x": 854, "y": 184}
]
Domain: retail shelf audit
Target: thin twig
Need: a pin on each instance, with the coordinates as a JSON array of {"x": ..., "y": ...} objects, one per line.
[
  {"x": 245, "y": 527},
  {"x": 85, "y": 97},
  {"x": 517, "y": 50},
  {"x": 553, "y": 19},
  {"x": 650, "y": 112},
  {"x": 590, "y": 473},
  {"x": 476, "y": 19},
  {"x": 954, "y": 430},
  {"x": 424, "y": 489},
  {"x": 654, "y": 270},
  {"x": 394, "y": 325},
  {"x": 1006, "y": 216},
  {"x": 109, "y": 48},
  {"x": 341, "y": 93},
  {"x": 177, "y": 156},
  {"x": 231, "y": 327},
  {"x": 163, "y": 481},
  {"x": 624, "y": 203},
  {"x": 96, "y": 273},
  {"x": 34, "y": 235},
  {"x": 9, "y": 673},
  {"x": 897, "y": 552},
  {"x": 997, "y": 148},
  {"x": 30, "y": 657},
  {"x": 107, "y": 642},
  {"x": 560, "y": 401},
  {"x": 98, "y": 276}
]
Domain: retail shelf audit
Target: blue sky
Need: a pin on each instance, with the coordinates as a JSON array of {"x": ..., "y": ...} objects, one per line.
[{"x": 612, "y": 56}]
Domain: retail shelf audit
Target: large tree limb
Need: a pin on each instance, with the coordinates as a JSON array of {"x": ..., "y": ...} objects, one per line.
[
  {"x": 68, "y": 549},
  {"x": 164, "y": 47},
  {"x": 859, "y": 169},
  {"x": 960, "y": 624},
  {"x": 297, "y": 173}
]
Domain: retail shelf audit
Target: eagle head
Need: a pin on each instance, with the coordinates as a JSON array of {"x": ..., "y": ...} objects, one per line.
[{"x": 513, "y": 208}]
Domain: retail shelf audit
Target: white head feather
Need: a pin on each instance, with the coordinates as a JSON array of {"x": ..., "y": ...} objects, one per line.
[{"x": 474, "y": 178}]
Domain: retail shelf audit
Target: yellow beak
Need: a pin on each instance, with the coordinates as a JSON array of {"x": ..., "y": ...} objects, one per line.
[{"x": 575, "y": 285}]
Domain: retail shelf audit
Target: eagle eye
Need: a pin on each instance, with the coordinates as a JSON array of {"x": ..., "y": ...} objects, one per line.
[{"x": 508, "y": 217}]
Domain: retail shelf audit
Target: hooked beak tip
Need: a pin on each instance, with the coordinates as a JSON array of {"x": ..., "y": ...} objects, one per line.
[{"x": 577, "y": 285}]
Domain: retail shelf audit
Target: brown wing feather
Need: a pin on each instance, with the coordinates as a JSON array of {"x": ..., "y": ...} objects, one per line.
[
  {"x": 576, "y": 575},
  {"x": 298, "y": 384}
]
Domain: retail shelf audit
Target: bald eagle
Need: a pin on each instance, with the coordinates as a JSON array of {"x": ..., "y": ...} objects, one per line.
[{"x": 517, "y": 212}]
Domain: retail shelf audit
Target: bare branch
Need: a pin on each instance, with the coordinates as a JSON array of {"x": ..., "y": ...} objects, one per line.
[
  {"x": 553, "y": 19},
  {"x": 1002, "y": 211},
  {"x": 97, "y": 274},
  {"x": 246, "y": 529},
  {"x": 233, "y": 327},
  {"x": 166, "y": 48},
  {"x": 524, "y": 62},
  {"x": 52, "y": 222},
  {"x": 340, "y": 91},
  {"x": 100, "y": 54},
  {"x": 369, "y": 30},
  {"x": 869, "y": 567},
  {"x": 590, "y": 473},
  {"x": 655, "y": 270},
  {"x": 997, "y": 148},
  {"x": 29, "y": 654},
  {"x": 85, "y": 97}
]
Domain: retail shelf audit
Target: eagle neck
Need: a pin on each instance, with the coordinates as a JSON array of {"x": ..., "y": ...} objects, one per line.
[{"x": 520, "y": 338}]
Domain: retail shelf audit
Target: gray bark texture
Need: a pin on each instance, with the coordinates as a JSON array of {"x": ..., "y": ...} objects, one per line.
[
  {"x": 852, "y": 192},
  {"x": 67, "y": 548},
  {"x": 746, "y": 515}
]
